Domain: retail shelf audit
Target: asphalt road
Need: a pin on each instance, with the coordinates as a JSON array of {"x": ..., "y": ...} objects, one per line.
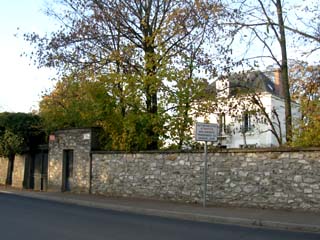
[{"x": 26, "y": 218}]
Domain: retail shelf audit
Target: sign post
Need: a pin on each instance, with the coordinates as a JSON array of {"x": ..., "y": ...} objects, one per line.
[
  {"x": 206, "y": 132},
  {"x": 205, "y": 174}
]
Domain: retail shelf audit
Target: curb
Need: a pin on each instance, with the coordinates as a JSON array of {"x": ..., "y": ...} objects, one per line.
[{"x": 246, "y": 222}]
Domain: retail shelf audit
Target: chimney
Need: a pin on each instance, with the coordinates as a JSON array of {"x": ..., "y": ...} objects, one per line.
[{"x": 278, "y": 82}]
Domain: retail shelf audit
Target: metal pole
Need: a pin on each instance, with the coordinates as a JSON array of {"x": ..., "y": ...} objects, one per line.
[{"x": 205, "y": 174}]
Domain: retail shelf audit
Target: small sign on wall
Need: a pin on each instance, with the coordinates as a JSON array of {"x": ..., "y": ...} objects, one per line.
[
  {"x": 52, "y": 138},
  {"x": 86, "y": 136}
]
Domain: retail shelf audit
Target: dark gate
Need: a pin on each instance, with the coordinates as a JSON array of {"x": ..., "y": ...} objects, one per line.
[
  {"x": 36, "y": 169},
  {"x": 67, "y": 170}
]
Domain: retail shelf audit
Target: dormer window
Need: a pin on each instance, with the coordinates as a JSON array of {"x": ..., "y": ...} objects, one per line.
[{"x": 270, "y": 87}]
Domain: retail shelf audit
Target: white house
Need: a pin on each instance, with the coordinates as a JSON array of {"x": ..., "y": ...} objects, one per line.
[{"x": 250, "y": 110}]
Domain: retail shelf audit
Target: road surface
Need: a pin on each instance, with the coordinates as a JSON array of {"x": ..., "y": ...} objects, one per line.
[{"x": 26, "y": 218}]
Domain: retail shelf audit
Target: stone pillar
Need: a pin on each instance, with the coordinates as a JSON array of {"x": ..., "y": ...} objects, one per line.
[
  {"x": 37, "y": 181},
  {"x": 3, "y": 170},
  {"x": 78, "y": 142},
  {"x": 18, "y": 171}
]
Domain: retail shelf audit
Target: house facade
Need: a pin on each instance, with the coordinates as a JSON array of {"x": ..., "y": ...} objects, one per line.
[{"x": 250, "y": 111}]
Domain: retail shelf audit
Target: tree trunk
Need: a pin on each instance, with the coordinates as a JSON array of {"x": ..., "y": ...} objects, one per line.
[
  {"x": 151, "y": 97},
  {"x": 284, "y": 74}
]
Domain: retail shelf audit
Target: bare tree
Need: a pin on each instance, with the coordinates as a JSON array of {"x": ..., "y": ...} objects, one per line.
[{"x": 263, "y": 22}]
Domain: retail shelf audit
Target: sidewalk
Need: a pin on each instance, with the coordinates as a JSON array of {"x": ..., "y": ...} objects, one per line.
[{"x": 276, "y": 219}]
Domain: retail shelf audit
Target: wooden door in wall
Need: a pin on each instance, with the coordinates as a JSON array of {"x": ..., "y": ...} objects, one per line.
[
  {"x": 67, "y": 170},
  {"x": 10, "y": 170}
]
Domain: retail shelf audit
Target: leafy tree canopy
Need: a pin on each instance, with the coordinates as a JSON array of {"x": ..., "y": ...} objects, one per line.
[
  {"x": 10, "y": 144},
  {"x": 305, "y": 84},
  {"x": 20, "y": 131},
  {"x": 129, "y": 53}
]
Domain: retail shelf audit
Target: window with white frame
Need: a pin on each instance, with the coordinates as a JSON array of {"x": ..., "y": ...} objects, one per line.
[
  {"x": 246, "y": 122},
  {"x": 222, "y": 124}
]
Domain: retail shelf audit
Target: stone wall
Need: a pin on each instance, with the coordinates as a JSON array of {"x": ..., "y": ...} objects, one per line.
[
  {"x": 18, "y": 171},
  {"x": 167, "y": 176},
  {"x": 78, "y": 140},
  {"x": 3, "y": 170},
  {"x": 279, "y": 179}
]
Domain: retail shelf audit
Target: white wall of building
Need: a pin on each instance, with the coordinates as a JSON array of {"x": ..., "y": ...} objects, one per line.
[{"x": 259, "y": 134}]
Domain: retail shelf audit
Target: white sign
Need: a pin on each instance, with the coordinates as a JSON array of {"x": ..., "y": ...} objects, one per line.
[
  {"x": 207, "y": 132},
  {"x": 86, "y": 136}
]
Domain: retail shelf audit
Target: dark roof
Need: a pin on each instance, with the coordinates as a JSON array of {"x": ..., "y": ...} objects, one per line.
[{"x": 255, "y": 81}]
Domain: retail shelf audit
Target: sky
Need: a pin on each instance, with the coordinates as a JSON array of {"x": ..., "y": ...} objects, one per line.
[{"x": 21, "y": 83}]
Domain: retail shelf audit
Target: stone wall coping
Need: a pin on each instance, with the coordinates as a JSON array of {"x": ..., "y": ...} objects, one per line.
[
  {"x": 74, "y": 129},
  {"x": 217, "y": 150}
]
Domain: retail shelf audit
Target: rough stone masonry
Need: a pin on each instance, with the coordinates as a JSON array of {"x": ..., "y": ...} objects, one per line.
[
  {"x": 267, "y": 178},
  {"x": 79, "y": 141},
  {"x": 3, "y": 170}
]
